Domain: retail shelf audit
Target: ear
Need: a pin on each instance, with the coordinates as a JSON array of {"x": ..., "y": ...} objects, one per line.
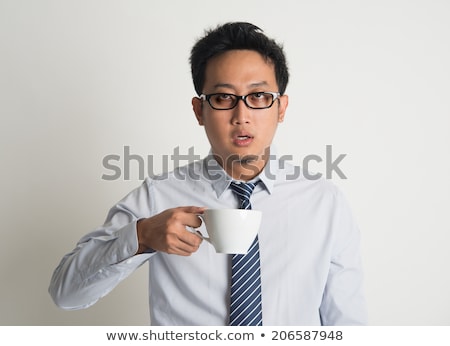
[
  {"x": 197, "y": 107},
  {"x": 284, "y": 101}
]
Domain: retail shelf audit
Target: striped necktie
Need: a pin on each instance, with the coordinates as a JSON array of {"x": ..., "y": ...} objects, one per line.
[{"x": 245, "y": 293}]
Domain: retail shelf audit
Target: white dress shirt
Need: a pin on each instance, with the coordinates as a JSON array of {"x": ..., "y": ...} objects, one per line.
[{"x": 309, "y": 250}]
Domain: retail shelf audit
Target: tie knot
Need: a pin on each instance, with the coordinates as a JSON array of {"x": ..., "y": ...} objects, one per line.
[{"x": 243, "y": 191}]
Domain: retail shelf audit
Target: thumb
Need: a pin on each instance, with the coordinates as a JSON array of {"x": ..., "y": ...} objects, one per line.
[{"x": 193, "y": 209}]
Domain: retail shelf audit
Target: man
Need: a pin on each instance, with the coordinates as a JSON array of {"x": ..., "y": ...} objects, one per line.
[{"x": 306, "y": 267}]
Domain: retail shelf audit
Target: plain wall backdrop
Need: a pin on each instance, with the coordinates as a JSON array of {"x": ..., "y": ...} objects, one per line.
[{"x": 80, "y": 80}]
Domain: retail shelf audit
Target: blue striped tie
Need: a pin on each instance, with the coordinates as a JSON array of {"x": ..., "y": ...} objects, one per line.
[{"x": 245, "y": 294}]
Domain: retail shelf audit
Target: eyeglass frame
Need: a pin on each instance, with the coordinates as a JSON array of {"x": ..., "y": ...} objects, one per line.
[{"x": 207, "y": 97}]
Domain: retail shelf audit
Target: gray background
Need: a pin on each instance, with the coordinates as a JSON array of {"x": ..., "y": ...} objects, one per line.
[{"x": 83, "y": 79}]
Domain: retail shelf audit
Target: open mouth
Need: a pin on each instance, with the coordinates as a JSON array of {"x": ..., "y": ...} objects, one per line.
[{"x": 243, "y": 139}]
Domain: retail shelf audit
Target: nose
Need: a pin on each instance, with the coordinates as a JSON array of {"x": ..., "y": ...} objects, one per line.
[{"x": 241, "y": 113}]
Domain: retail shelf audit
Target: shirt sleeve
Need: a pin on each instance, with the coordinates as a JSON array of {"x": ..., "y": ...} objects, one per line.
[
  {"x": 104, "y": 257},
  {"x": 343, "y": 300}
]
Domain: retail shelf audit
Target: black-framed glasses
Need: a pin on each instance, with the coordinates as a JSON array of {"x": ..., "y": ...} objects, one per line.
[{"x": 256, "y": 100}]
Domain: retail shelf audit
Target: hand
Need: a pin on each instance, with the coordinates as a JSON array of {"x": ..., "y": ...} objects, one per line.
[{"x": 167, "y": 231}]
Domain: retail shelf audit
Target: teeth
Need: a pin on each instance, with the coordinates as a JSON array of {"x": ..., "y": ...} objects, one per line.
[{"x": 243, "y": 137}]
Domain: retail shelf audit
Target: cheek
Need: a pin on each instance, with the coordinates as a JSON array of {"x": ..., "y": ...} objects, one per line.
[
  {"x": 270, "y": 125},
  {"x": 214, "y": 129},
  {"x": 269, "y": 129}
]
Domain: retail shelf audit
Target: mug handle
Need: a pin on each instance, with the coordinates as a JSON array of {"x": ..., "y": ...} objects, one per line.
[{"x": 197, "y": 232}]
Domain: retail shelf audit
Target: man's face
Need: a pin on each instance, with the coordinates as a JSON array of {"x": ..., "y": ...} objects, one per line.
[{"x": 240, "y": 132}]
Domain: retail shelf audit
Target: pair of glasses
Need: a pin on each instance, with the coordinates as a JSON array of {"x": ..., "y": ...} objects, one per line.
[{"x": 256, "y": 100}]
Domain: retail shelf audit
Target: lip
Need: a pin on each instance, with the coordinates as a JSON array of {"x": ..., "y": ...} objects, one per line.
[{"x": 242, "y": 139}]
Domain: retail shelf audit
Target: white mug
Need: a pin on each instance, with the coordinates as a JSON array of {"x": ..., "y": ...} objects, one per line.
[{"x": 231, "y": 231}]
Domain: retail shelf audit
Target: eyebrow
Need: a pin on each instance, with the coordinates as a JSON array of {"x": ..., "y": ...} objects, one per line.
[{"x": 230, "y": 86}]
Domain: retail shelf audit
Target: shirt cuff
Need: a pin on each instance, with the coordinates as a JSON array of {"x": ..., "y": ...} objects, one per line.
[{"x": 129, "y": 240}]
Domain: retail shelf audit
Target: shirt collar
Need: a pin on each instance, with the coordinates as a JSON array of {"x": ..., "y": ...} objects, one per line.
[{"x": 221, "y": 181}]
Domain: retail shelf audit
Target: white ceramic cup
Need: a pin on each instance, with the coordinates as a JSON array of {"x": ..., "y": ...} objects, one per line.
[{"x": 231, "y": 231}]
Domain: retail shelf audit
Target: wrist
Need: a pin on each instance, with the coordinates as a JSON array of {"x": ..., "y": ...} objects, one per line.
[{"x": 140, "y": 237}]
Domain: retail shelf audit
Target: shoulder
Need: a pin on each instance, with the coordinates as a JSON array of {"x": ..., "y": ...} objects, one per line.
[
  {"x": 297, "y": 177},
  {"x": 187, "y": 174},
  {"x": 308, "y": 191}
]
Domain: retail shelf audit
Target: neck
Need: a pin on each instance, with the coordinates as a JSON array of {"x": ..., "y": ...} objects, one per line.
[{"x": 244, "y": 168}]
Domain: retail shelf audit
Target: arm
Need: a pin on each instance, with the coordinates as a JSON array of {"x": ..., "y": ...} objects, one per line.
[
  {"x": 343, "y": 300},
  {"x": 108, "y": 255},
  {"x": 102, "y": 258}
]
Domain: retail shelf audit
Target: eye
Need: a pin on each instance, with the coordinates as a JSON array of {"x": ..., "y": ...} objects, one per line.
[
  {"x": 222, "y": 98},
  {"x": 259, "y": 97}
]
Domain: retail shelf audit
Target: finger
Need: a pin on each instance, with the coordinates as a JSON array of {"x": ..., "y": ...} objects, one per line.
[
  {"x": 193, "y": 221},
  {"x": 188, "y": 216},
  {"x": 191, "y": 240},
  {"x": 193, "y": 209},
  {"x": 187, "y": 248},
  {"x": 180, "y": 251},
  {"x": 181, "y": 244}
]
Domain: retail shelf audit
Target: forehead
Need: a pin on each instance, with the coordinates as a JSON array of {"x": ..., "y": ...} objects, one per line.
[{"x": 239, "y": 69}]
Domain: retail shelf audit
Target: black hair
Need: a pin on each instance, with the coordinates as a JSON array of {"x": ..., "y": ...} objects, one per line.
[{"x": 232, "y": 36}]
